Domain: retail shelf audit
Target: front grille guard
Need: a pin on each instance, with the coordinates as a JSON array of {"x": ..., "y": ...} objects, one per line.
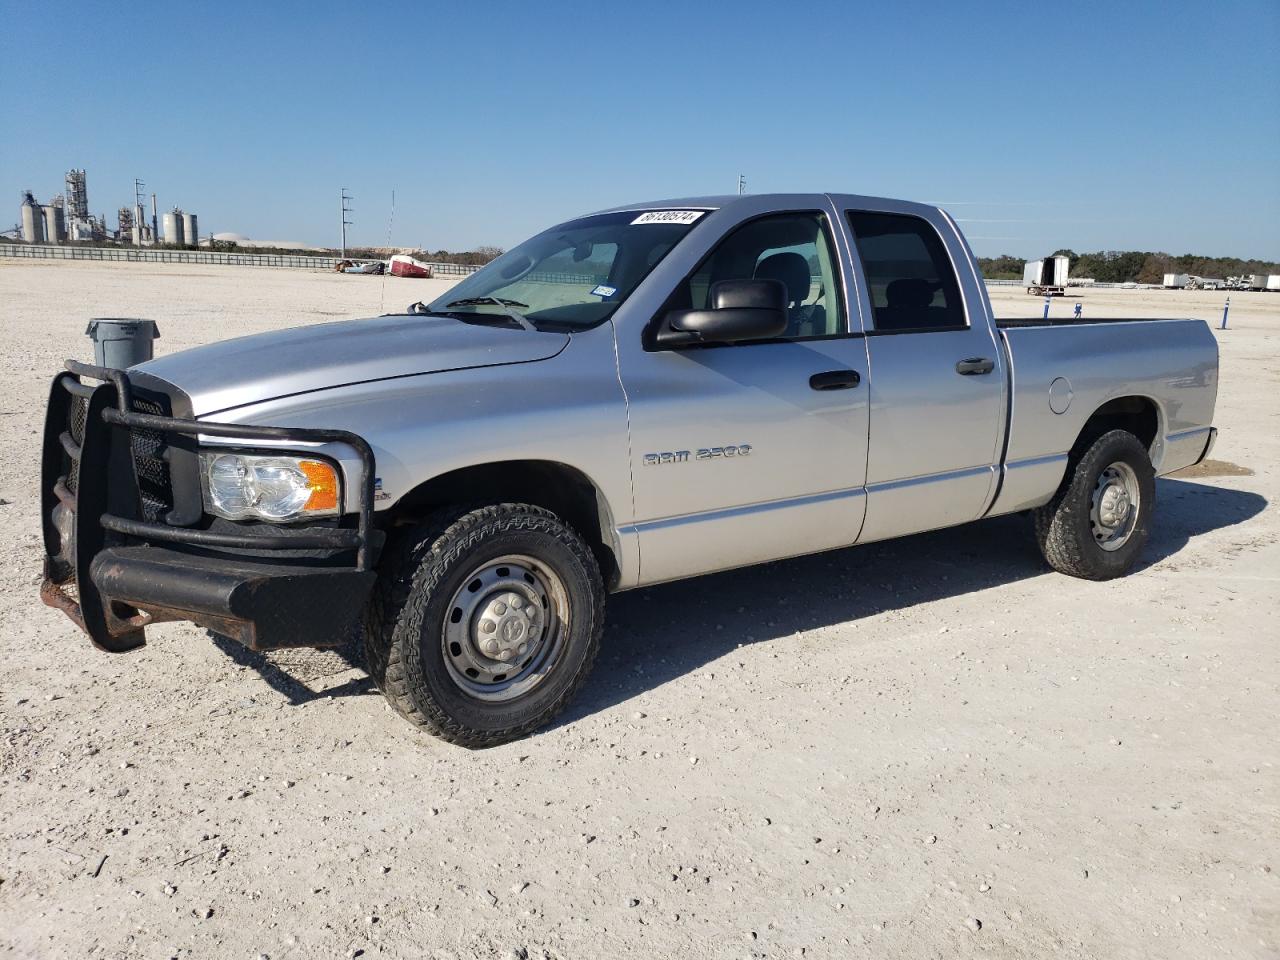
[{"x": 112, "y": 486}]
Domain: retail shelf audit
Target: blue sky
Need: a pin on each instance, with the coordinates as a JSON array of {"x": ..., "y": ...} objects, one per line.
[{"x": 1084, "y": 125}]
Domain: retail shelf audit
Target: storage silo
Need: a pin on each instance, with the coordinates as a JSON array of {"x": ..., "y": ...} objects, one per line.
[
  {"x": 173, "y": 227},
  {"x": 189, "y": 231},
  {"x": 55, "y": 223},
  {"x": 32, "y": 220}
]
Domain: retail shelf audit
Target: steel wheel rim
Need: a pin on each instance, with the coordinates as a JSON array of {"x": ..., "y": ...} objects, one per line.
[
  {"x": 504, "y": 628},
  {"x": 1116, "y": 502}
]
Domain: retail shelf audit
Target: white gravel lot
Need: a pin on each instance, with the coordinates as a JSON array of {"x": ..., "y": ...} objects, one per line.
[{"x": 932, "y": 747}]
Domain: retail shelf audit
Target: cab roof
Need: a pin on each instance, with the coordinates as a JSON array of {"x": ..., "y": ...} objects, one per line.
[{"x": 781, "y": 200}]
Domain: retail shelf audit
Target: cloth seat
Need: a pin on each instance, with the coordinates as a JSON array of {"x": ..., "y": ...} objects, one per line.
[{"x": 793, "y": 270}]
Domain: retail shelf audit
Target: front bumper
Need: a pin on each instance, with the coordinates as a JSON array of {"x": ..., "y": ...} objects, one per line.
[
  {"x": 114, "y": 570},
  {"x": 263, "y": 605}
]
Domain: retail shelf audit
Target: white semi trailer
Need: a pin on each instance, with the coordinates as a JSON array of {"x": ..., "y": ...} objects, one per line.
[
  {"x": 1047, "y": 277},
  {"x": 1176, "y": 281}
]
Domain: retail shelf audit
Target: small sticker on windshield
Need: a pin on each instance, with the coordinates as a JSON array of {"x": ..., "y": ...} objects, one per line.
[
  {"x": 604, "y": 291},
  {"x": 669, "y": 216}
]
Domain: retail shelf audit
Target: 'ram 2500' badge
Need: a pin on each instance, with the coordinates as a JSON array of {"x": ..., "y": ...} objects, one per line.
[{"x": 703, "y": 453}]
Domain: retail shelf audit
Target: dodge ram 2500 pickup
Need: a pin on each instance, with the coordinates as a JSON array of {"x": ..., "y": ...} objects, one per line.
[{"x": 653, "y": 392}]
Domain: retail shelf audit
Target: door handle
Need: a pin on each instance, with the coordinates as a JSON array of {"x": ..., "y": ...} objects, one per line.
[
  {"x": 975, "y": 366},
  {"x": 835, "y": 380}
]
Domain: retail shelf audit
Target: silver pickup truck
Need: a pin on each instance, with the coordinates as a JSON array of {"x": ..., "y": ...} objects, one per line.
[{"x": 653, "y": 392}]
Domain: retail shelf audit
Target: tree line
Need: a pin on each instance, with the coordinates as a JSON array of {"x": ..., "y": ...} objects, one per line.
[{"x": 1131, "y": 266}]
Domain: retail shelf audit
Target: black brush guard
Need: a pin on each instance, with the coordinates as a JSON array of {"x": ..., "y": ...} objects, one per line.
[{"x": 119, "y": 571}]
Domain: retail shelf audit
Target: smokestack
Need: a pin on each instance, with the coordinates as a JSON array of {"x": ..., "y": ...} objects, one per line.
[{"x": 155, "y": 221}]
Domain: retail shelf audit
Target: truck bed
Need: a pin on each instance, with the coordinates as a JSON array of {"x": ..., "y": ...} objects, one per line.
[{"x": 1098, "y": 361}]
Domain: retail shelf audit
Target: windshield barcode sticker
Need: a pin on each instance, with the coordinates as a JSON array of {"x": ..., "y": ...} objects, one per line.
[{"x": 669, "y": 216}]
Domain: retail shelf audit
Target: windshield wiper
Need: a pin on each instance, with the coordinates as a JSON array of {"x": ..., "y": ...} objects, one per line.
[
  {"x": 519, "y": 318},
  {"x": 499, "y": 301}
]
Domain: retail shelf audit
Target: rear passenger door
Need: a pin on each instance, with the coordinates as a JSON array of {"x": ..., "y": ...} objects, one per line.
[{"x": 938, "y": 377}]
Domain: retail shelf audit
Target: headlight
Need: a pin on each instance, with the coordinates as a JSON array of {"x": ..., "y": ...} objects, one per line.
[{"x": 240, "y": 486}]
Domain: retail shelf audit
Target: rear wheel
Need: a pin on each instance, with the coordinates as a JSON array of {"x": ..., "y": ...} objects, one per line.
[
  {"x": 486, "y": 624},
  {"x": 1096, "y": 526}
]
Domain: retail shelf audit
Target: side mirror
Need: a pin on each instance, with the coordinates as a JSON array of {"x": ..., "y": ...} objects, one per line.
[{"x": 740, "y": 310}]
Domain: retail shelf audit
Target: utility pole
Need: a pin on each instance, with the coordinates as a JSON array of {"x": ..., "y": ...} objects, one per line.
[
  {"x": 742, "y": 184},
  {"x": 346, "y": 210}
]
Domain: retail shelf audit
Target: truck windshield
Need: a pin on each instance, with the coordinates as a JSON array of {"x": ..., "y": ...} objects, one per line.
[{"x": 574, "y": 275}]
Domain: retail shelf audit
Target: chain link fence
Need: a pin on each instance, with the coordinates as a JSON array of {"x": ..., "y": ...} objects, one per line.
[{"x": 37, "y": 251}]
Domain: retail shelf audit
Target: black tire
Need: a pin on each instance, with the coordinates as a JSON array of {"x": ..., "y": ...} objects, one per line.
[
  {"x": 407, "y": 613},
  {"x": 1064, "y": 526}
]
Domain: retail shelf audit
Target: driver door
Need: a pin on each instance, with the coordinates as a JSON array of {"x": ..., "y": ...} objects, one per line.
[{"x": 748, "y": 452}]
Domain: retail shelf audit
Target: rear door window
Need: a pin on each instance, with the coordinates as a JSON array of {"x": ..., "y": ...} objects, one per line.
[{"x": 909, "y": 276}]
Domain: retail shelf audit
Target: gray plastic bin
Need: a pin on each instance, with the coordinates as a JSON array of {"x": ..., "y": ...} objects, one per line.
[{"x": 120, "y": 342}]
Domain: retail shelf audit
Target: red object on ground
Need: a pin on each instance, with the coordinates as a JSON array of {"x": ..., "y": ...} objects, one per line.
[{"x": 404, "y": 266}]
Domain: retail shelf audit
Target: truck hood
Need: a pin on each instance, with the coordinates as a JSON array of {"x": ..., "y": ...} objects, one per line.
[{"x": 267, "y": 366}]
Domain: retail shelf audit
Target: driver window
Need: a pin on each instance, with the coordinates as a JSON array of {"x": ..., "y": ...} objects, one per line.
[{"x": 793, "y": 248}]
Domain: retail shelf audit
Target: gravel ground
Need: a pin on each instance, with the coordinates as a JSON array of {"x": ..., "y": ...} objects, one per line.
[{"x": 931, "y": 747}]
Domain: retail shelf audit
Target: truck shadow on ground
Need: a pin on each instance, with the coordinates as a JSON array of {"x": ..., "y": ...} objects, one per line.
[
  {"x": 659, "y": 633},
  {"x": 294, "y": 673}
]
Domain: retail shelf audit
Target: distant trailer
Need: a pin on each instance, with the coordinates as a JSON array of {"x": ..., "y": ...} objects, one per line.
[
  {"x": 1273, "y": 282},
  {"x": 1047, "y": 277},
  {"x": 1258, "y": 281},
  {"x": 1176, "y": 281}
]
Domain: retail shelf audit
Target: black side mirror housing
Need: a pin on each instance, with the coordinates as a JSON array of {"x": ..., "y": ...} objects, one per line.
[{"x": 740, "y": 310}]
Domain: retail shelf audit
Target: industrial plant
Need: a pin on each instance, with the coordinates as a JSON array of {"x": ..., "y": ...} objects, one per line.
[{"x": 66, "y": 219}]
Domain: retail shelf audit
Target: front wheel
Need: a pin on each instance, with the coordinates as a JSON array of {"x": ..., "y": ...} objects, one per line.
[
  {"x": 1098, "y": 523},
  {"x": 486, "y": 624}
]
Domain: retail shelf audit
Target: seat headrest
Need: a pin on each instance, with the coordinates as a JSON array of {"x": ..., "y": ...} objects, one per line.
[
  {"x": 792, "y": 269},
  {"x": 909, "y": 294}
]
